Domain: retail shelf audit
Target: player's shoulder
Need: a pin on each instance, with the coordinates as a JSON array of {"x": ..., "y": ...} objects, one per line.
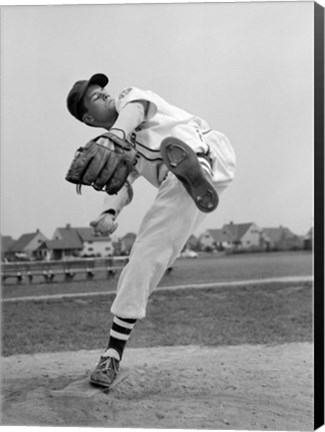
[
  {"x": 125, "y": 92},
  {"x": 133, "y": 93}
]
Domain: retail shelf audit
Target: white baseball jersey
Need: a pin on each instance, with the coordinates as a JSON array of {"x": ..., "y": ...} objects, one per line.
[
  {"x": 173, "y": 216},
  {"x": 165, "y": 120}
]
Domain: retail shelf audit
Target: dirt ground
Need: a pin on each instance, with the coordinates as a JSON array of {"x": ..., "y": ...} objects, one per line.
[{"x": 238, "y": 388}]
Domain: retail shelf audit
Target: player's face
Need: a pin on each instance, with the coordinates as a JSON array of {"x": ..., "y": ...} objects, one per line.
[{"x": 100, "y": 106}]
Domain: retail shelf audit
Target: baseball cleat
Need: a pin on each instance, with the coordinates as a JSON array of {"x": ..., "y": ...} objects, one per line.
[
  {"x": 105, "y": 372},
  {"x": 181, "y": 160}
]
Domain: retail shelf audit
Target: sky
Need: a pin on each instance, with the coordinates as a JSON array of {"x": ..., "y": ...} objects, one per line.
[{"x": 246, "y": 68}]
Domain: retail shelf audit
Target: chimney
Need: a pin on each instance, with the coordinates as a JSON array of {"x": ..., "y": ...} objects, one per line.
[{"x": 68, "y": 226}]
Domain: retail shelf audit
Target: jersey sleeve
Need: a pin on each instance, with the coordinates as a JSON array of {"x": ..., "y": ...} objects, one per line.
[{"x": 133, "y": 94}]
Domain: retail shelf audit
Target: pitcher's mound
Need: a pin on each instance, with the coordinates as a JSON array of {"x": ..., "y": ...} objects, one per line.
[{"x": 240, "y": 387}]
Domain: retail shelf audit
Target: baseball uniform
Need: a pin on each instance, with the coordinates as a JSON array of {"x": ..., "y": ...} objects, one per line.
[{"x": 173, "y": 216}]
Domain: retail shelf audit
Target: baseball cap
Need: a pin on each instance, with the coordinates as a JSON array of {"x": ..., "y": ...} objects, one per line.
[{"x": 78, "y": 91}]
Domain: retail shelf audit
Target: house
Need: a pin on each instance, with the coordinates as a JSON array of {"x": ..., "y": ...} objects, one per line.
[
  {"x": 243, "y": 236},
  {"x": 61, "y": 249},
  {"x": 213, "y": 239},
  {"x": 95, "y": 245},
  {"x": 69, "y": 242},
  {"x": 65, "y": 243},
  {"x": 239, "y": 237},
  {"x": 281, "y": 238},
  {"x": 6, "y": 243},
  {"x": 27, "y": 247}
]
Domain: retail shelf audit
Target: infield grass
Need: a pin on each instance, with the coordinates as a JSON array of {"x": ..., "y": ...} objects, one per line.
[{"x": 260, "y": 314}]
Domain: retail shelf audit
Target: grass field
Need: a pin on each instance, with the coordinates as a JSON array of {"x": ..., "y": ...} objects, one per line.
[
  {"x": 225, "y": 316},
  {"x": 240, "y": 357},
  {"x": 206, "y": 269},
  {"x": 268, "y": 314}
]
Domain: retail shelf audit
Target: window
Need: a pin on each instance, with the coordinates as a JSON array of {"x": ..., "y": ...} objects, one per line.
[{"x": 90, "y": 249}]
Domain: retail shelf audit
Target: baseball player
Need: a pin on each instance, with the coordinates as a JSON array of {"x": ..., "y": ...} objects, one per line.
[{"x": 189, "y": 164}]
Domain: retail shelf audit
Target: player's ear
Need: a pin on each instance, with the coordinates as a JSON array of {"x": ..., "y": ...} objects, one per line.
[{"x": 88, "y": 119}]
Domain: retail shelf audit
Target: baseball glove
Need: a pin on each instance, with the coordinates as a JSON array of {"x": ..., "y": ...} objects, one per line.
[{"x": 104, "y": 163}]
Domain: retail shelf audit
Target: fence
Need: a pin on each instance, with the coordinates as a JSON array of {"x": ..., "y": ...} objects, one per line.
[{"x": 69, "y": 269}]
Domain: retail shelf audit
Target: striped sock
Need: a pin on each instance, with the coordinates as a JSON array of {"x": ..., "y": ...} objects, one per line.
[
  {"x": 119, "y": 335},
  {"x": 205, "y": 164}
]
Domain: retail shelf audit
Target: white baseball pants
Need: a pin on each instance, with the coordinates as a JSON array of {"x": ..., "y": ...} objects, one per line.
[{"x": 163, "y": 233}]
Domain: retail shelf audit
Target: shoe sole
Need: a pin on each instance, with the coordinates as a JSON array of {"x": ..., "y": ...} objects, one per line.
[
  {"x": 182, "y": 161},
  {"x": 94, "y": 379},
  {"x": 100, "y": 383},
  {"x": 106, "y": 387}
]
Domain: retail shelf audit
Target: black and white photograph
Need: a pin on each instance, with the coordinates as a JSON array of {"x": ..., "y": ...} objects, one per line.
[{"x": 157, "y": 215}]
